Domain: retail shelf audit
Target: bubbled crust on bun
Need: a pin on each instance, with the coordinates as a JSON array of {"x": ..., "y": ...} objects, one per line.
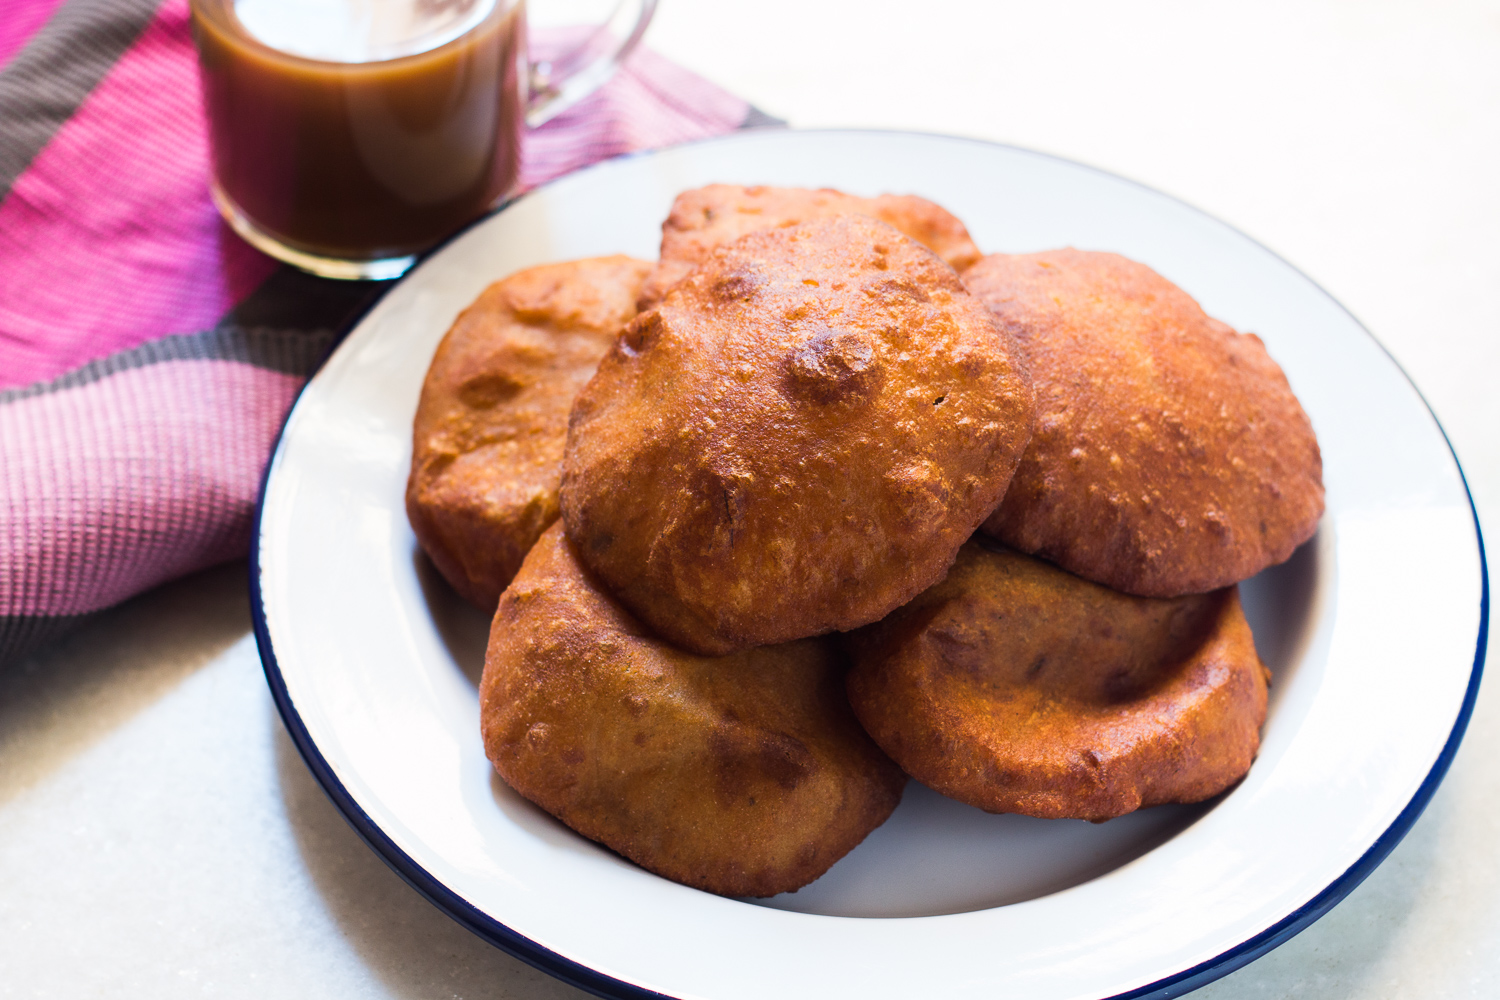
[
  {"x": 744, "y": 776},
  {"x": 1016, "y": 687},
  {"x": 487, "y": 442},
  {"x": 1170, "y": 455},
  {"x": 710, "y": 217},
  {"x": 796, "y": 441}
]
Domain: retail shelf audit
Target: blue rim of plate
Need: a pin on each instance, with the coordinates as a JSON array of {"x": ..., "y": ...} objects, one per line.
[{"x": 591, "y": 981}]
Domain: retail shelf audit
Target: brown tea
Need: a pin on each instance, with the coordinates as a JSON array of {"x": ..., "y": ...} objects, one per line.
[{"x": 362, "y": 129}]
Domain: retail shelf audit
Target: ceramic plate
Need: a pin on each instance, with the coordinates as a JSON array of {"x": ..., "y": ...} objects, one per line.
[{"x": 1373, "y": 630}]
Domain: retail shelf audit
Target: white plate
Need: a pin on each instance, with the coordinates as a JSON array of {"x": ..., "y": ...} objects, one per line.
[{"x": 1374, "y": 631}]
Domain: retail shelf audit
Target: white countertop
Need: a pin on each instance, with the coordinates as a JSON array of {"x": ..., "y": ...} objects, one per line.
[{"x": 160, "y": 837}]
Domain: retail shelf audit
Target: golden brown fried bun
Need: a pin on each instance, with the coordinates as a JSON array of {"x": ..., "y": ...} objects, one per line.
[
  {"x": 1016, "y": 687},
  {"x": 1170, "y": 455},
  {"x": 710, "y": 217},
  {"x": 488, "y": 438},
  {"x": 745, "y": 776},
  {"x": 796, "y": 441}
]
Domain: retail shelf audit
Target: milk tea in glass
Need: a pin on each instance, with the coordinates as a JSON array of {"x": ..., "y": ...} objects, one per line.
[{"x": 350, "y": 135}]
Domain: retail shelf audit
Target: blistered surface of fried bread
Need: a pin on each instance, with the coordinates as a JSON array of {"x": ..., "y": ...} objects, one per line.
[
  {"x": 488, "y": 437},
  {"x": 796, "y": 441},
  {"x": 1016, "y": 687},
  {"x": 713, "y": 216},
  {"x": 745, "y": 776},
  {"x": 1170, "y": 455}
]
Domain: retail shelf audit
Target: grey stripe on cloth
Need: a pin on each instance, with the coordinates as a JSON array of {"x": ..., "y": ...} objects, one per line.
[
  {"x": 292, "y": 300},
  {"x": 21, "y": 634},
  {"x": 286, "y": 325},
  {"x": 61, "y": 64},
  {"x": 756, "y": 118},
  {"x": 294, "y": 352}
]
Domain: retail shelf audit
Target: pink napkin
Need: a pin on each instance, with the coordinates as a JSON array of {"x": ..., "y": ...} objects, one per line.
[{"x": 147, "y": 355}]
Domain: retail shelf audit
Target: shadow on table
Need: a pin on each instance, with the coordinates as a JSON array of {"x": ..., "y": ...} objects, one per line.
[
  {"x": 416, "y": 949},
  {"x": 61, "y": 700}
]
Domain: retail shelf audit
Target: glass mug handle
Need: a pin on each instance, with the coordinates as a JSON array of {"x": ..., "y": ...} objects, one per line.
[{"x": 554, "y": 85}]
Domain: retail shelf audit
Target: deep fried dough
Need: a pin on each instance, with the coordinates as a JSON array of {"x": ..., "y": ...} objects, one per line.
[
  {"x": 745, "y": 776},
  {"x": 716, "y": 215},
  {"x": 796, "y": 441},
  {"x": 488, "y": 438},
  {"x": 1170, "y": 455},
  {"x": 1016, "y": 687}
]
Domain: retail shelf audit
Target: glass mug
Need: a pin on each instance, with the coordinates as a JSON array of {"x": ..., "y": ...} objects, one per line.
[{"x": 350, "y": 135}]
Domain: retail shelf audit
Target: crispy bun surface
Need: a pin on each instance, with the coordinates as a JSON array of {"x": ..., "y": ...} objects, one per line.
[
  {"x": 487, "y": 442},
  {"x": 1016, "y": 687},
  {"x": 796, "y": 441},
  {"x": 745, "y": 775},
  {"x": 709, "y": 217},
  {"x": 1170, "y": 455}
]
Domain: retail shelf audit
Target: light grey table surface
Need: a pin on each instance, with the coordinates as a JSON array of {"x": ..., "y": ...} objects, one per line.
[{"x": 160, "y": 837}]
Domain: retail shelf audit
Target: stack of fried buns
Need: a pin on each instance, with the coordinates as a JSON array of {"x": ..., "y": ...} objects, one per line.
[{"x": 822, "y": 499}]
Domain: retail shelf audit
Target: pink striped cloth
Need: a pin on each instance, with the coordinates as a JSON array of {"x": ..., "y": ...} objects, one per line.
[{"x": 147, "y": 355}]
